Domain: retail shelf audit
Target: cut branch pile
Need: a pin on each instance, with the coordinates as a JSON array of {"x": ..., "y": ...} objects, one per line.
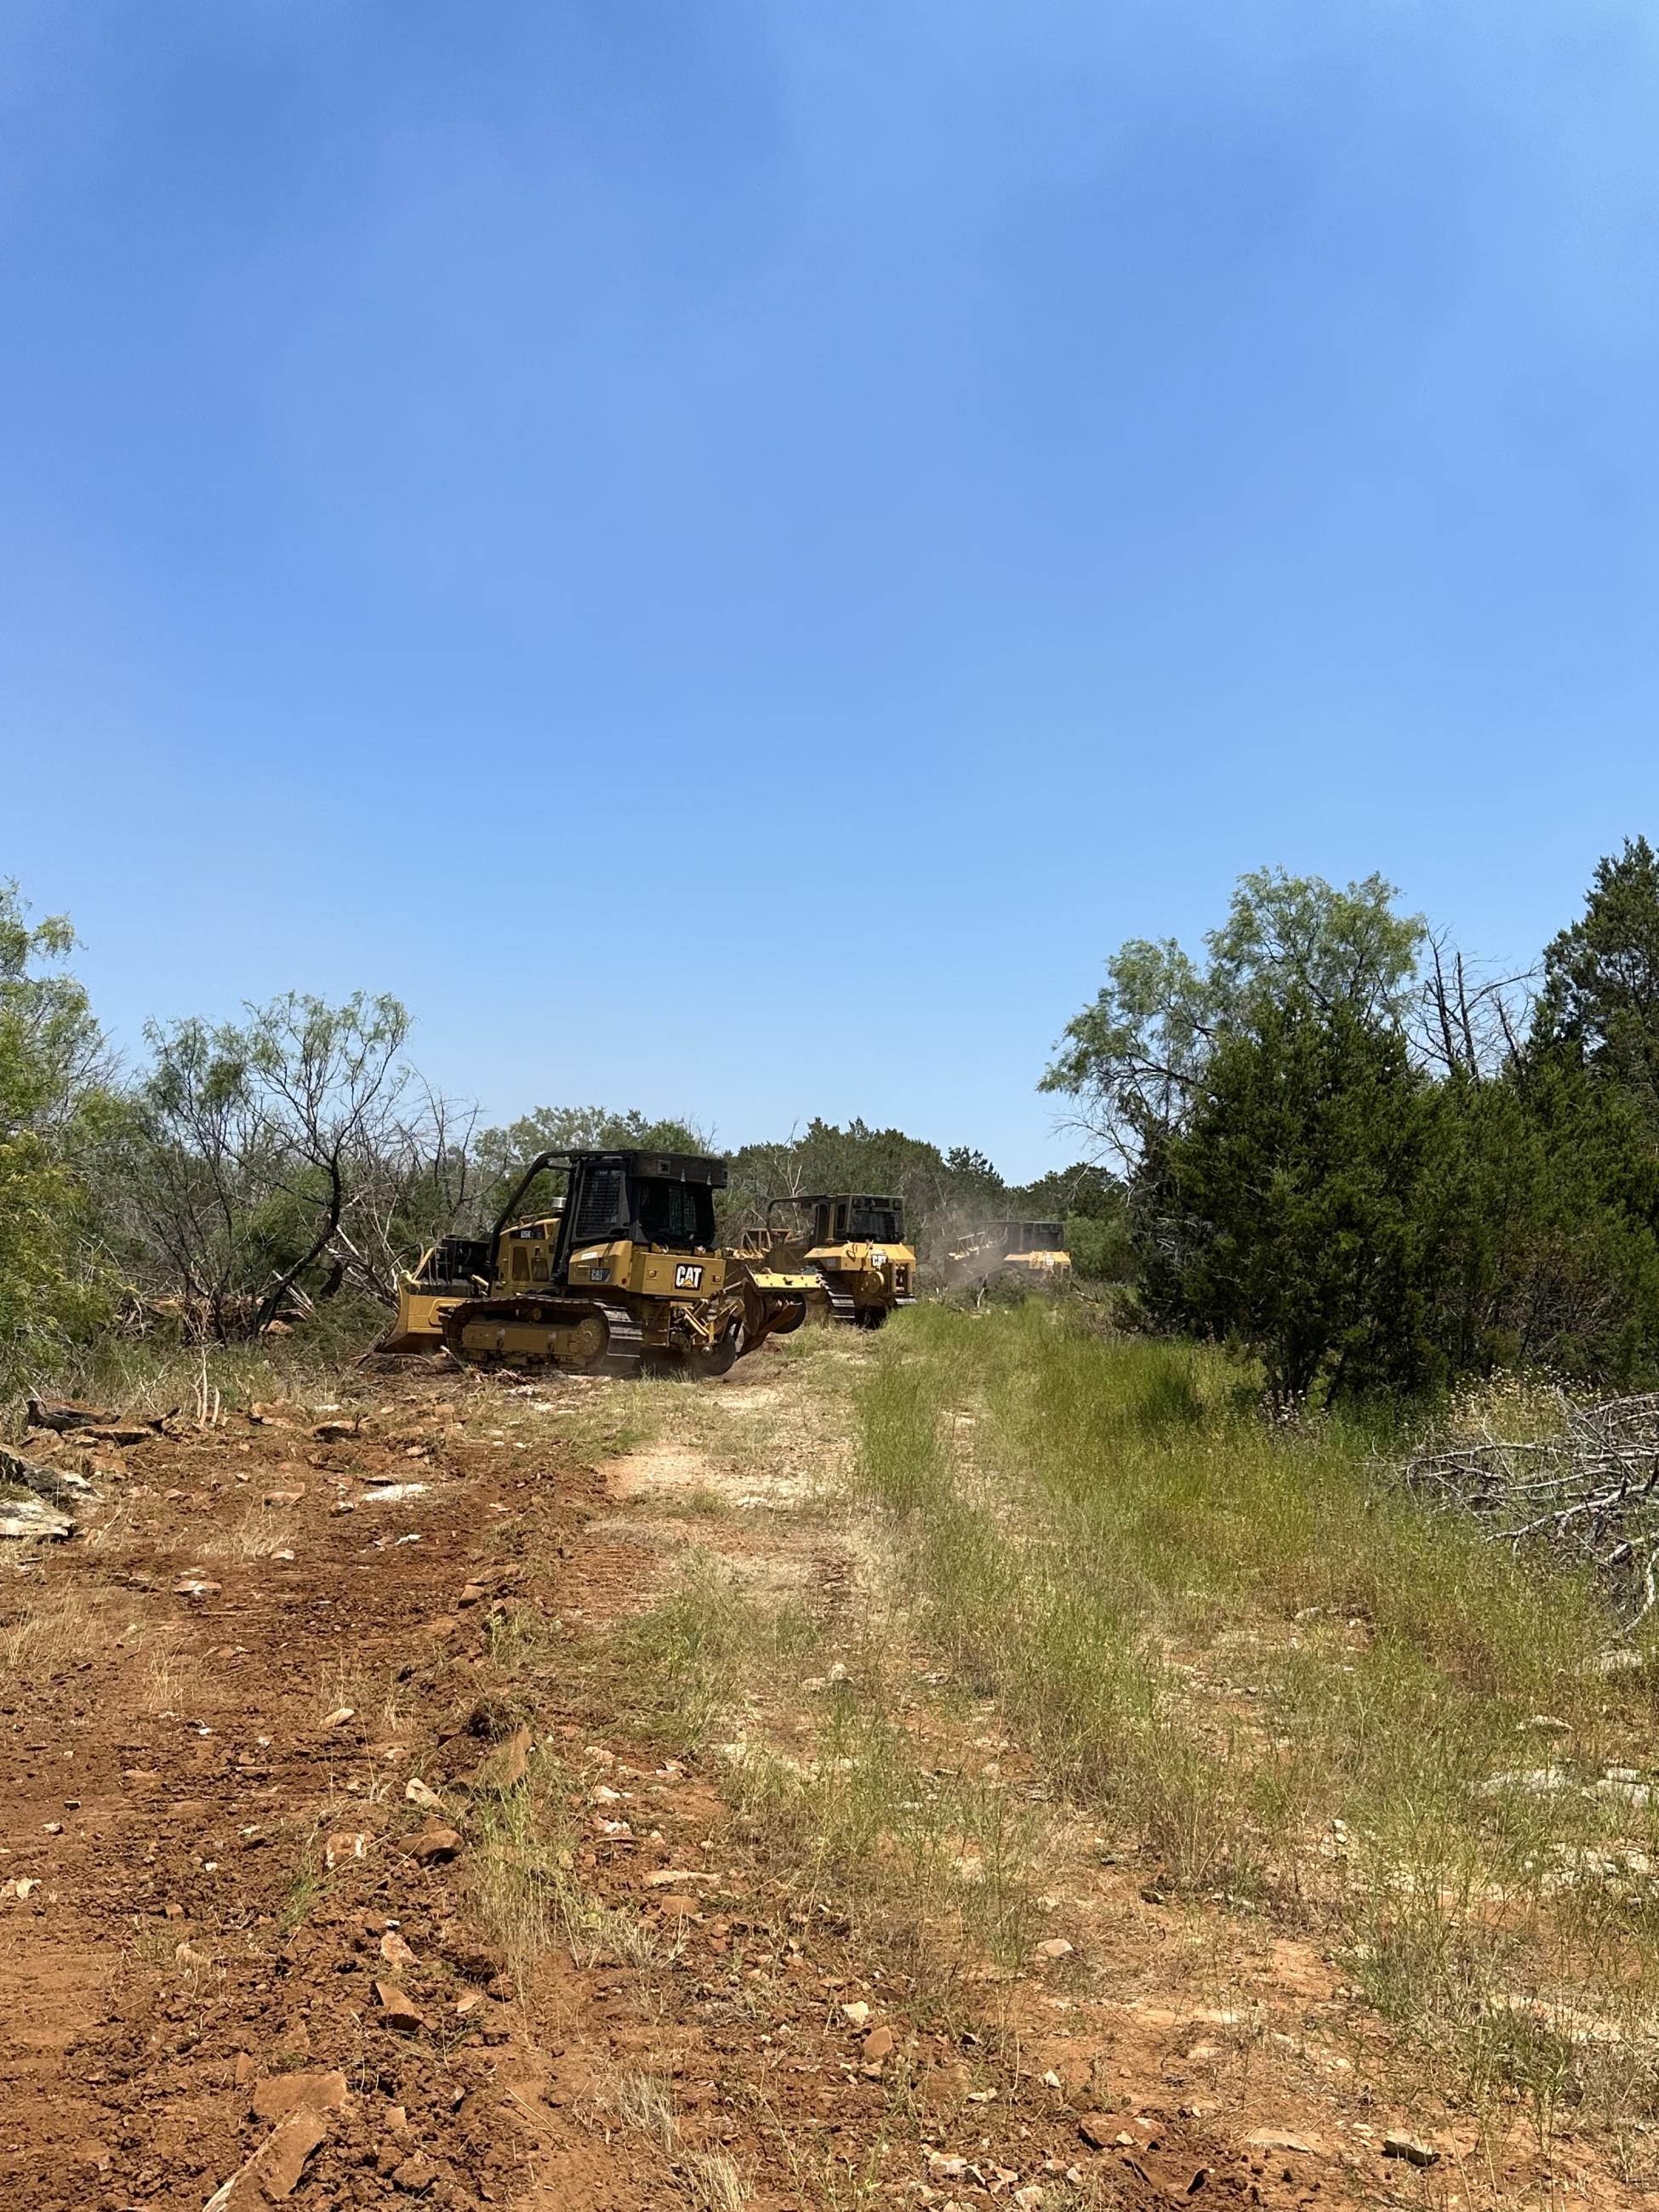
[{"x": 1589, "y": 1492}]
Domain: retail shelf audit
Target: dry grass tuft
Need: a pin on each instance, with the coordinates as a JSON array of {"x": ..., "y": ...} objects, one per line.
[
  {"x": 256, "y": 1532},
  {"x": 529, "y": 1895},
  {"x": 43, "y": 1629},
  {"x": 712, "y": 2182},
  {"x": 644, "y": 2103}
]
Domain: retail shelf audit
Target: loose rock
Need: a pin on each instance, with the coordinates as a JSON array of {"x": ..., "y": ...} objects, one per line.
[
  {"x": 273, "y": 2171},
  {"x": 416, "y": 2174},
  {"x": 26, "y": 1519},
  {"x": 1408, "y": 2148},
  {"x": 1529, "y": 1782},
  {"x": 279, "y": 2094},
  {"x": 434, "y": 1844},
  {"x": 56, "y": 1483},
  {"x": 398, "y": 2011}
]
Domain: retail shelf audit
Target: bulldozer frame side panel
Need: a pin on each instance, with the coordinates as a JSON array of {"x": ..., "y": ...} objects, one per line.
[{"x": 645, "y": 1272}]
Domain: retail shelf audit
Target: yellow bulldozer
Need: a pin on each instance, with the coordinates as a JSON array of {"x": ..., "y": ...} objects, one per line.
[
  {"x": 1030, "y": 1251},
  {"x": 625, "y": 1271},
  {"x": 853, "y": 1244}
]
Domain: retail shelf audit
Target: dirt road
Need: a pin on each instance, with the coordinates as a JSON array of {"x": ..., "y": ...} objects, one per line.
[{"x": 321, "y": 1881}]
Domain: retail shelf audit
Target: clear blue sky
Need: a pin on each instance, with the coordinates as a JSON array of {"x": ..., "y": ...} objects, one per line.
[{"x": 729, "y": 553}]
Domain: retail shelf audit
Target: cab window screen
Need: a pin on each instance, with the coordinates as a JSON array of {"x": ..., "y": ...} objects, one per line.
[
  {"x": 872, "y": 1224},
  {"x": 602, "y": 1210},
  {"x": 680, "y": 1214}
]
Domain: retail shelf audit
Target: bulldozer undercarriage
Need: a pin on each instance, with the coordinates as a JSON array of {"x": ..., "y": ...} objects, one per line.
[
  {"x": 585, "y": 1336},
  {"x": 594, "y": 1337}
]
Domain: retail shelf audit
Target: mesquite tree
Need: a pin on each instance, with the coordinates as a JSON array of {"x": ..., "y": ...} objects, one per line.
[
  {"x": 56, "y": 1111},
  {"x": 285, "y": 1154}
]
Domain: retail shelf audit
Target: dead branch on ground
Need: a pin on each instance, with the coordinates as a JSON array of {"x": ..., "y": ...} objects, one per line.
[{"x": 1589, "y": 1493}]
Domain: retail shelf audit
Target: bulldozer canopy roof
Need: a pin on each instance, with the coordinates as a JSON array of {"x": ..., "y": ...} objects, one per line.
[
  {"x": 840, "y": 1198},
  {"x": 660, "y": 1167}
]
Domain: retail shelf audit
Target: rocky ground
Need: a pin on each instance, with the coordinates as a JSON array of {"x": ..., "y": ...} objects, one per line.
[{"x": 274, "y": 1926}]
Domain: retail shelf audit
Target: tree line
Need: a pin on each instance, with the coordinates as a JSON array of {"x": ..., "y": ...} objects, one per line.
[
  {"x": 1327, "y": 1140},
  {"x": 1349, "y": 1154},
  {"x": 281, "y": 1168}
]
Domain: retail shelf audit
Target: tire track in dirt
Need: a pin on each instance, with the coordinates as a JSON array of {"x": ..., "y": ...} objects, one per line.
[
  {"x": 213, "y": 1901},
  {"x": 201, "y": 1867}
]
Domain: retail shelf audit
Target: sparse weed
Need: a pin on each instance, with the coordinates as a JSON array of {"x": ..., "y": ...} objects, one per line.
[
  {"x": 154, "y": 1943},
  {"x": 528, "y": 1891},
  {"x": 1279, "y": 1676},
  {"x": 644, "y": 2103},
  {"x": 166, "y": 1673},
  {"x": 688, "y": 1661},
  {"x": 257, "y": 1533},
  {"x": 303, "y": 1887},
  {"x": 702, "y": 1504}
]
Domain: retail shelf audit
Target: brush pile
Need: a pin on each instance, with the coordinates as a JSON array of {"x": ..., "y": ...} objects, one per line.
[{"x": 1587, "y": 1490}]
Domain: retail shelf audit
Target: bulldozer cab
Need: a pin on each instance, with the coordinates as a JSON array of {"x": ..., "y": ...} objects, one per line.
[
  {"x": 664, "y": 1200},
  {"x": 644, "y": 1197},
  {"x": 844, "y": 1219},
  {"x": 1032, "y": 1237}
]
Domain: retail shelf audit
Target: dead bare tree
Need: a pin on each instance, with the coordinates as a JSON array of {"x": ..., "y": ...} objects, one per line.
[
  {"x": 333, "y": 1082},
  {"x": 412, "y": 1186},
  {"x": 1468, "y": 1022}
]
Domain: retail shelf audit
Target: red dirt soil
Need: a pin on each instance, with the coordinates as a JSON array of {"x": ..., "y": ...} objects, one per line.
[{"x": 213, "y": 1893}]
